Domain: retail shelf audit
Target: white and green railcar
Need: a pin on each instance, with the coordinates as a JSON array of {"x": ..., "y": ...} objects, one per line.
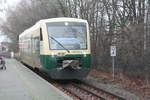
[{"x": 58, "y": 46}]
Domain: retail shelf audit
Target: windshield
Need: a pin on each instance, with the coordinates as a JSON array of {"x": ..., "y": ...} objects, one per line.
[{"x": 72, "y": 35}]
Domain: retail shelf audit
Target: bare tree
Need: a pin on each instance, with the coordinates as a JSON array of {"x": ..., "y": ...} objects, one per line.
[{"x": 124, "y": 23}]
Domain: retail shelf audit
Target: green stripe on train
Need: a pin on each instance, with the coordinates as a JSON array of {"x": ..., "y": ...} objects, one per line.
[{"x": 49, "y": 61}]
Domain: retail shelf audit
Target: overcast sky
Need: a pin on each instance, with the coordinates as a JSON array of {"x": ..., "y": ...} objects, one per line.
[{"x": 12, "y": 2}]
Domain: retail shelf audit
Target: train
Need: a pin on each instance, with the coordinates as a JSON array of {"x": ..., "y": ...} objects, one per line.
[{"x": 59, "y": 47}]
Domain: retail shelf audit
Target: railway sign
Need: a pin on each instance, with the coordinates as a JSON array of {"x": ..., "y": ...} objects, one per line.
[
  {"x": 113, "y": 51},
  {"x": 113, "y": 54}
]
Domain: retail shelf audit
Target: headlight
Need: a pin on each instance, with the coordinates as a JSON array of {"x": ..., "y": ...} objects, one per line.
[
  {"x": 84, "y": 54},
  {"x": 52, "y": 54}
]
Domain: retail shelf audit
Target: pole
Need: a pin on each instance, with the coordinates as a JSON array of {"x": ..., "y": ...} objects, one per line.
[
  {"x": 113, "y": 54},
  {"x": 113, "y": 67}
]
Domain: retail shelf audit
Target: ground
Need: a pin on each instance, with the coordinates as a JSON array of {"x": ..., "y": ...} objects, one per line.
[{"x": 131, "y": 89}]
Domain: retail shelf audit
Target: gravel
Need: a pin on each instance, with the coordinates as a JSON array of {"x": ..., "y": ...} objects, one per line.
[{"x": 112, "y": 87}]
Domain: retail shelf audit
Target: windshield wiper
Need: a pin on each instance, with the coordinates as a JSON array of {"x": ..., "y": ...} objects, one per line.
[{"x": 58, "y": 43}]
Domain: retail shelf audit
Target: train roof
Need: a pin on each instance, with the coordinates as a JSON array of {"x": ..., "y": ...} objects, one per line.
[
  {"x": 51, "y": 20},
  {"x": 63, "y": 19}
]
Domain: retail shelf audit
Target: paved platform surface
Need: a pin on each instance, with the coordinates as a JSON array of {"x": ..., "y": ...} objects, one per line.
[{"x": 19, "y": 83}]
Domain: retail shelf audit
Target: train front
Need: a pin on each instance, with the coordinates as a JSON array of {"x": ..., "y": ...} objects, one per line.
[{"x": 69, "y": 49}]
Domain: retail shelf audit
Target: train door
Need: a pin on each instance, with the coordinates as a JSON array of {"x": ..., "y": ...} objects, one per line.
[{"x": 36, "y": 51}]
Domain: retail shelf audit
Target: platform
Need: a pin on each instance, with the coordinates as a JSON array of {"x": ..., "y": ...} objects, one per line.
[{"x": 19, "y": 83}]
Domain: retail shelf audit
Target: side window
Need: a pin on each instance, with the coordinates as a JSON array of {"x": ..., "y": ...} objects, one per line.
[
  {"x": 33, "y": 44},
  {"x": 41, "y": 36},
  {"x": 37, "y": 44}
]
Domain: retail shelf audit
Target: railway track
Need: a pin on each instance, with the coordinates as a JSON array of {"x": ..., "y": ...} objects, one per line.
[
  {"x": 82, "y": 93},
  {"x": 85, "y": 91},
  {"x": 116, "y": 97}
]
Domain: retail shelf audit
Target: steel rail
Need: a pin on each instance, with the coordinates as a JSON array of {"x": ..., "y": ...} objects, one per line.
[
  {"x": 87, "y": 91},
  {"x": 111, "y": 94}
]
